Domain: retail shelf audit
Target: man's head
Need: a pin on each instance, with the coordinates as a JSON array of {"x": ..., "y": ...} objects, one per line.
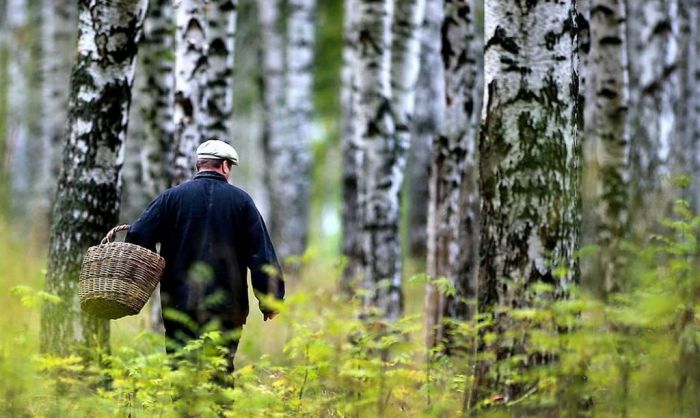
[{"x": 216, "y": 156}]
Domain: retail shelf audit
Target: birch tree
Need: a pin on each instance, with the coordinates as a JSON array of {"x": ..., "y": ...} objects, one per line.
[
  {"x": 386, "y": 73},
  {"x": 156, "y": 97},
  {"x": 452, "y": 243},
  {"x": 425, "y": 124},
  {"x": 688, "y": 105},
  {"x": 530, "y": 154},
  {"x": 287, "y": 64},
  {"x": 60, "y": 18},
  {"x": 218, "y": 95},
  {"x": 607, "y": 141},
  {"x": 4, "y": 46},
  {"x": 87, "y": 199},
  {"x": 16, "y": 134},
  {"x": 191, "y": 68},
  {"x": 653, "y": 34},
  {"x": 350, "y": 150}
]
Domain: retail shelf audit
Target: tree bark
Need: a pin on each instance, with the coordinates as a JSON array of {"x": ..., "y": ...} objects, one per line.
[
  {"x": 218, "y": 95},
  {"x": 191, "y": 68},
  {"x": 351, "y": 152},
  {"x": 16, "y": 131},
  {"x": 384, "y": 111},
  {"x": 426, "y": 121},
  {"x": 530, "y": 156},
  {"x": 287, "y": 87},
  {"x": 607, "y": 142},
  {"x": 453, "y": 189},
  {"x": 654, "y": 83},
  {"x": 87, "y": 199},
  {"x": 688, "y": 105},
  {"x": 157, "y": 97},
  {"x": 60, "y": 18}
]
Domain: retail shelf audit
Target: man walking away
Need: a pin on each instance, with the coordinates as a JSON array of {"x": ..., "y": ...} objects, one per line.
[{"x": 210, "y": 232}]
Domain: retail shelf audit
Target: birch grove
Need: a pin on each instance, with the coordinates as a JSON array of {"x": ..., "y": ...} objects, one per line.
[{"x": 88, "y": 195}]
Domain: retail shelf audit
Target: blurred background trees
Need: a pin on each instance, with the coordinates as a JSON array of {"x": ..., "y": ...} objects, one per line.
[{"x": 483, "y": 142}]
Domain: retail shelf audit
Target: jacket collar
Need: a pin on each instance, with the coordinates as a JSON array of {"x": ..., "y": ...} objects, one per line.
[{"x": 210, "y": 175}]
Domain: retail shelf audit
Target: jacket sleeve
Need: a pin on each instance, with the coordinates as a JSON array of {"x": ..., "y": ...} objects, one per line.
[
  {"x": 146, "y": 231},
  {"x": 265, "y": 271}
]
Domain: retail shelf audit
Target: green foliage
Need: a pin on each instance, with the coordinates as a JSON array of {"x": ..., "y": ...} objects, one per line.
[{"x": 635, "y": 354}]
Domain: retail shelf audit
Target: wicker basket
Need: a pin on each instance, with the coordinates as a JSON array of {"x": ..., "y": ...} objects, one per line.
[{"x": 117, "y": 278}]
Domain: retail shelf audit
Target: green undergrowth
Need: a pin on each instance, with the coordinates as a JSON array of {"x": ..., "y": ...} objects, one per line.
[{"x": 637, "y": 354}]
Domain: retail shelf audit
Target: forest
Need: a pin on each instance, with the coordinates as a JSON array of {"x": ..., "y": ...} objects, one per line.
[{"x": 480, "y": 207}]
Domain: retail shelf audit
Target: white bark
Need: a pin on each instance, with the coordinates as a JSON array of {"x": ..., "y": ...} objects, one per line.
[
  {"x": 453, "y": 229},
  {"x": 287, "y": 87},
  {"x": 380, "y": 180},
  {"x": 607, "y": 141},
  {"x": 156, "y": 97},
  {"x": 529, "y": 151},
  {"x": 16, "y": 133},
  {"x": 218, "y": 95},
  {"x": 87, "y": 199},
  {"x": 350, "y": 151},
  {"x": 60, "y": 18},
  {"x": 191, "y": 67},
  {"x": 654, "y": 83}
]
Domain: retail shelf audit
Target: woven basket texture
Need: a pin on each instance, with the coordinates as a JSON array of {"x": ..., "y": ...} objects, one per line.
[{"x": 118, "y": 278}]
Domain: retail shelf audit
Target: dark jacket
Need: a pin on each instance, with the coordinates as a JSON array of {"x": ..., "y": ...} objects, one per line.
[{"x": 210, "y": 233}]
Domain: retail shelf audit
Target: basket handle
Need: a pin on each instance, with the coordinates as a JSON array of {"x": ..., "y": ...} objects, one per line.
[{"x": 113, "y": 233}]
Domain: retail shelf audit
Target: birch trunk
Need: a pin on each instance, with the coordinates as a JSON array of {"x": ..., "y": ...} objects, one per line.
[
  {"x": 191, "y": 68},
  {"x": 530, "y": 156},
  {"x": 16, "y": 130},
  {"x": 87, "y": 199},
  {"x": 427, "y": 119},
  {"x": 60, "y": 18},
  {"x": 453, "y": 195},
  {"x": 607, "y": 142},
  {"x": 351, "y": 152},
  {"x": 287, "y": 88},
  {"x": 654, "y": 83},
  {"x": 293, "y": 223},
  {"x": 218, "y": 95},
  {"x": 156, "y": 97},
  {"x": 688, "y": 106},
  {"x": 4, "y": 46}
]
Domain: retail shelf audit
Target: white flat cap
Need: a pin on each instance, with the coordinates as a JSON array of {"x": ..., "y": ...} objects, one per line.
[{"x": 217, "y": 150}]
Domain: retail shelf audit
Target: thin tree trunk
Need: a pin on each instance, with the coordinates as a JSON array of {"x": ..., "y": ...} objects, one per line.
[
  {"x": 87, "y": 199},
  {"x": 654, "y": 82},
  {"x": 350, "y": 151},
  {"x": 191, "y": 68},
  {"x": 378, "y": 185},
  {"x": 429, "y": 99},
  {"x": 454, "y": 198},
  {"x": 688, "y": 105},
  {"x": 607, "y": 142},
  {"x": 4, "y": 82},
  {"x": 293, "y": 224},
  {"x": 60, "y": 18},
  {"x": 530, "y": 155},
  {"x": 286, "y": 88},
  {"x": 156, "y": 97},
  {"x": 16, "y": 131},
  {"x": 218, "y": 95}
]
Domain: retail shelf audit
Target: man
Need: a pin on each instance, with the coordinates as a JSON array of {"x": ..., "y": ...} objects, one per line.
[{"x": 210, "y": 232}]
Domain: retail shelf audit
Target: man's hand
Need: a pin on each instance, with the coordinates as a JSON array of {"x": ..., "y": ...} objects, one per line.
[{"x": 270, "y": 315}]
